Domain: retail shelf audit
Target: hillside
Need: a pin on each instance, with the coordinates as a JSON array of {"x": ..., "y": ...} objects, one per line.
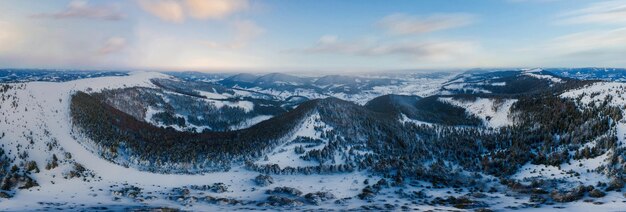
[{"x": 558, "y": 146}]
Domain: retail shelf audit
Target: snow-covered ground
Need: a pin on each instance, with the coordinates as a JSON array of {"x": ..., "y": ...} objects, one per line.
[
  {"x": 285, "y": 155},
  {"x": 466, "y": 87},
  {"x": 493, "y": 113},
  {"x": 404, "y": 119},
  {"x": 596, "y": 93},
  {"x": 577, "y": 172},
  {"x": 583, "y": 171},
  {"x": 536, "y": 73},
  {"x": 411, "y": 86},
  {"x": 214, "y": 95},
  {"x": 250, "y": 122},
  {"x": 42, "y": 113},
  {"x": 39, "y": 112}
]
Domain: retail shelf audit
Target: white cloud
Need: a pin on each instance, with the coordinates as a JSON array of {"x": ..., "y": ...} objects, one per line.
[
  {"x": 178, "y": 10},
  {"x": 590, "y": 42},
  {"x": 244, "y": 31},
  {"x": 81, "y": 9},
  {"x": 30, "y": 43},
  {"x": 406, "y": 24},
  {"x": 214, "y": 9},
  {"x": 9, "y": 36},
  {"x": 168, "y": 10},
  {"x": 162, "y": 50},
  {"x": 588, "y": 48},
  {"x": 419, "y": 51},
  {"x": 605, "y": 12},
  {"x": 112, "y": 45}
]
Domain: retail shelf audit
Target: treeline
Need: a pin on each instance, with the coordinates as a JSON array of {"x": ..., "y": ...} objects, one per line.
[
  {"x": 123, "y": 139},
  {"x": 185, "y": 111},
  {"x": 546, "y": 129}
]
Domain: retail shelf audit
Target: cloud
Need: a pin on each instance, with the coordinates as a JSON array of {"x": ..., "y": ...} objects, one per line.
[
  {"x": 30, "y": 43},
  {"x": 112, "y": 45},
  {"x": 607, "y": 12},
  {"x": 9, "y": 36},
  {"x": 162, "y": 50},
  {"x": 590, "y": 41},
  {"x": 81, "y": 9},
  {"x": 588, "y": 48},
  {"x": 177, "y": 11},
  {"x": 214, "y": 9},
  {"x": 244, "y": 31},
  {"x": 430, "y": 50},
  {"x": 404, "y": 24},
  {"x": 168, "y": 10}
]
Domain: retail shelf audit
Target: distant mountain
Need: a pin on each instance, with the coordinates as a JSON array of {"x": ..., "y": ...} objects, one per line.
[
  {"x": 338, "y": 80},
  {"x": 605, "y": 74},
  {"x": 509, "y": 82},
  {"x": 242, "y": 78},
  {"x": 279, "y": 78},
  {"x": 43, "y": 75}
]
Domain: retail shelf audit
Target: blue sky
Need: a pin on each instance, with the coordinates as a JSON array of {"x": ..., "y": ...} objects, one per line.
[{"x": 304, "y": 35}]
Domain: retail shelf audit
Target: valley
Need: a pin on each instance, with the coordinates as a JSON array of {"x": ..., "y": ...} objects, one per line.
[{"x": 531, "y": 139}]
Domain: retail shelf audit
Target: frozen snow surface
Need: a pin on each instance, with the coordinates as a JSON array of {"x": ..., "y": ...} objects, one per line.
[
  {"x": 577, "y": 172},
  {"x": 409, "y": 86},
  {"x": 43, "y": 114},
  {"x": 494, "y": 113},
  {"x": 285, "y": 155},
  {"x": 404, "y": 119},
  {"x": 596, "y": 93},
  {"x": 536, "y": 74},
  {"x": 614, "y": 93},
  {"x": 39, "y": 113}
]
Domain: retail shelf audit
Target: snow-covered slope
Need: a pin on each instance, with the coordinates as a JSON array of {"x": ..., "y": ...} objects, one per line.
[
  {"x": 41, "y": 114},
  {"x": 537, "y": 73},
  {"x": 596, "y": 93},
  {"x": 493, "y": 112},
  {"x": 613, "y": 93},
  {"x": 35, "y": 125},
  {"x": 285, "y": 156}
]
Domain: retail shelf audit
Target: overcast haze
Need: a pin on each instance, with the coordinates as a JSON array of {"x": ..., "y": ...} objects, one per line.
[{"x": 348, "y": 35}]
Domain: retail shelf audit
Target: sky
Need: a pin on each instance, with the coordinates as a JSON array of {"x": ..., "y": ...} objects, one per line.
[{"x": 307, "y": 35}]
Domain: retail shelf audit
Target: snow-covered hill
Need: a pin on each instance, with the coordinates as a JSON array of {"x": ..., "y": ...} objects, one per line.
[
  {"x": 342, "y": 155},
  {"x": 39, "y": 112}
]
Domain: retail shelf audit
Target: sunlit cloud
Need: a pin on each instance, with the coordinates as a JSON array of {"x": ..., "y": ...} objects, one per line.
[
  {"x": 9, "y": 36},
  {"x": 29, "y": 43},
  {"x": 167, "y": 10},
  {"x": 235, "y": 33},
  {"x": 162, "y": 50},
  {"x": 82, "y": 9},
  {"x": 178, "y": 10},
  {"x": 214, "y": 9},
  {"x": 244, "y": 31},
  {"x": 406, "y": 24}
]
